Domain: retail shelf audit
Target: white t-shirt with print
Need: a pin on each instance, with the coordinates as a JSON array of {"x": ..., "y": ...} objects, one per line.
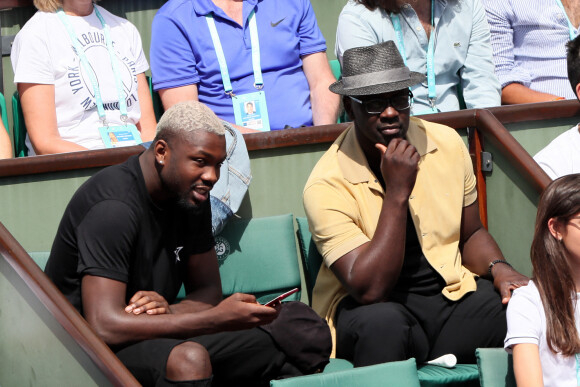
[
  {"x": 526, "y": 323},
  {"x": 562, "y": 156},
  {"x": 43, "y": 53}
]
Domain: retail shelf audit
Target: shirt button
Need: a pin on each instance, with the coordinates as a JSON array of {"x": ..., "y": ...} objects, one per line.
[
  {"x": 418, "y": 28},
  {"x": 424, "y": 234}
]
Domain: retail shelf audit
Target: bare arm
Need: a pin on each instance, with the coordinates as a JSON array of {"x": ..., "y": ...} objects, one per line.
[
  {"x": 518, "y": 93},
  {"x": 170, "y": 97},
  {"x": 40, "y": 116},
  {"x": 527, "y": 366},
  {"x": 325, "y": 104},
  {"x": 104, "y": 309},
  {"x": 5, "y": 145},
  {"x": 370, "y": 271},
  {"x": 478, "y": 250},
  {"x": 147, "y": 124}
]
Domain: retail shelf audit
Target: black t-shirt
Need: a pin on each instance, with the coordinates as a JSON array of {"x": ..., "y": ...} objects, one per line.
[
  {"x": 111, "y": 228},
  {"x": 417, "y": 274}
]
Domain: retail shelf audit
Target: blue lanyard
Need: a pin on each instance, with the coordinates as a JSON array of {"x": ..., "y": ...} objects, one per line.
[
  {"x": 258, "y": 81},
  {"x": 571, "y": 29},
  {"x": 430, "y": 52},
  {"x": 89, "y": 70}
]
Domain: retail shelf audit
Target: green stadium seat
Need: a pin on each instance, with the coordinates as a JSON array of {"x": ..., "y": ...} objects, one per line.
[
  {"x": 40, "y": 257},
  {"x": 400, "y": 374},
  {"x": 157, "y": 105},
  {"x": 336, "y": 71},
  {"x": 4, "y": 112},
  {"x": 258, "y": 256},
  {"x": 19, "y": 128},
  {"x": 311, "y": 259},
  {"x": 495, "y": 367}
]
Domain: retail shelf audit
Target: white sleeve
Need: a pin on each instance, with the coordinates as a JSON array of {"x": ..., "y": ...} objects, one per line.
[
  {"x": 524, "y": 318},
  {"x": 31, "y": 60}
]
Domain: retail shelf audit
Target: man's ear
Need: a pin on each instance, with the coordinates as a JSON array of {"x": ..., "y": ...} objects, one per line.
[
  {"x": 161, "y": 150},
  {"x": 555, "y": 227},
  {"x": 578, "y": 91}
]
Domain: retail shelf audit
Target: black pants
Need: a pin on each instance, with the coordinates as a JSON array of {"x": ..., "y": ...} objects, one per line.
[
  {"x": 248, "y": 357},
  {"x": 420, "y": 326}
]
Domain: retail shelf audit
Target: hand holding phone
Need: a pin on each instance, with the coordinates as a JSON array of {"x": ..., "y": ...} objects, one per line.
[{"x": 279, "y": 299}]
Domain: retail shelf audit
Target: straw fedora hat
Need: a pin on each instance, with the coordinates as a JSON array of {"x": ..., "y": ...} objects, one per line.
[{"x": 374, "y": 70}]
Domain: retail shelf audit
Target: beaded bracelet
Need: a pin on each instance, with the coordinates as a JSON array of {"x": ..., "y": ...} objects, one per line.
[{"x": 497, "y": 261}]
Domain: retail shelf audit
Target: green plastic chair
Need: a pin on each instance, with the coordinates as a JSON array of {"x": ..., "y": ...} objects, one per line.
[
  {"x": 4, "y": 112},
  {"x": 19, "y": 129},
  {"x": 258, "y": 256},
  {"x": 495, "y": 367},
  {"x": 311, "y": 259},
  {"x": 337, "y": 72},
  {"x": 400, "y": 374},
  {"x": 157, "y": 104}
]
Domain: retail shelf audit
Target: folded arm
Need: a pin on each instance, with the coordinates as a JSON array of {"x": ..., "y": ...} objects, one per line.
[{"x": 200, "y": 313}]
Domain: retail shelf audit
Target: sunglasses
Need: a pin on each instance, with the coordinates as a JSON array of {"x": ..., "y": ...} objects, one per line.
[{"x": 378, "y": 105}]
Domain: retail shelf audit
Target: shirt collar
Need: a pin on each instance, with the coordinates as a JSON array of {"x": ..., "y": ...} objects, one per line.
[
  {"x": 204, "y": 7},
  {"x": 353, "y": 162}
]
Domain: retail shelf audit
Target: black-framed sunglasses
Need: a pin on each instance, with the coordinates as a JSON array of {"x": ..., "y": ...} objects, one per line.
[{"x": 378, "y": 105}]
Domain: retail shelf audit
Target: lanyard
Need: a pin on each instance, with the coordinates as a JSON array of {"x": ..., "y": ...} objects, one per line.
[
  {"x": 258, "y": 81},
  {"x": 89, "y": 70},
  {"x": 430, "y": 52},
  {"x": 571, "y": 29}
]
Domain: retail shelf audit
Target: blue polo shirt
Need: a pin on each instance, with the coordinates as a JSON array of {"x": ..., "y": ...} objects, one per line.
[{"x": 182, "y": 53}]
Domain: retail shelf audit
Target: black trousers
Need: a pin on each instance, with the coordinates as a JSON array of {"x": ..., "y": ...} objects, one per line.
[
  {"x": 240, "y": 358},
  {"x": 420, "y": 326}
]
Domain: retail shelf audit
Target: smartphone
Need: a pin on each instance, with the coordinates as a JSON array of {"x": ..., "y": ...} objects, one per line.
[{"x": 282, "y": 296}]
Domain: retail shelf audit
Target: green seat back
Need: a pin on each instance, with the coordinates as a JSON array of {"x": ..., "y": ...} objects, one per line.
[
  {"x": 337, "y": 72},
  {"x": 19, "y": 129},
  {"x": 464, "y": 375},
  {"x": 495, "y": 367},
  {"x": 40, "y": 257},
  {"x": 157, "y": 105},
  {"x": 311, "y": 259},
  {"x": 4, "y": 113},
  {"x": 258, "y": 256},
  {"x": 399, "y": 373}
]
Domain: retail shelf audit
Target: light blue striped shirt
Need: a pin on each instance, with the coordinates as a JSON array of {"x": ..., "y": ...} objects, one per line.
[
  {"x": 463, "y": 55},
  {"x": 529, "y": 39}
]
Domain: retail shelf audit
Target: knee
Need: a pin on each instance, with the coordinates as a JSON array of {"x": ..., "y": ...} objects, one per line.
[
  {"x": 188, "y": 361},
  {"x": 383, "y": 319}
]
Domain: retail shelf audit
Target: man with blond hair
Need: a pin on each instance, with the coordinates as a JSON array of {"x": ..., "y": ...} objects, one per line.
[{"x": 129, "y": 238}]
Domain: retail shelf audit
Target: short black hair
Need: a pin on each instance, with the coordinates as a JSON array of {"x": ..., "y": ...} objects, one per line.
[{"x": 574, "y": 62}]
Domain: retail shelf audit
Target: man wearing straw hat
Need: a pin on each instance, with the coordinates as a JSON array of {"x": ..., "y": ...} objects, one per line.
[{"x": 392, "y": 207}]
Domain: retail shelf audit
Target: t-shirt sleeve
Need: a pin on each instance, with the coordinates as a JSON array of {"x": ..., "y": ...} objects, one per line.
[
  {"x": 332, "y": 221},
  {"x": 173, "y": 63},
  {"x": 311, "y": 39},
  {"x": 105, "y": 238},
  {"x": 524, "y": 322},
  {"x": 31, "y": 60}
]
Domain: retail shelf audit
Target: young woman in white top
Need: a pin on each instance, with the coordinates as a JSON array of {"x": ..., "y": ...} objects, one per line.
[
  {"x": 67, "y": 54},
  {"x": 543, "y": 317}
]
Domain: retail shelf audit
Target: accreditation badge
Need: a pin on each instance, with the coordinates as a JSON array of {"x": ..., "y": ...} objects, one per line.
[
  {"x": 119, "y": 136},
  {"x": 250, "y": 111}
]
